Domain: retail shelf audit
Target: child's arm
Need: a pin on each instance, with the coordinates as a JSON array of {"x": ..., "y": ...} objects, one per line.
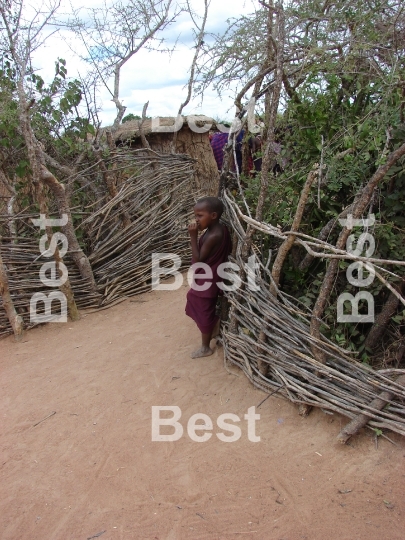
[{"x": 208, "y": 247}]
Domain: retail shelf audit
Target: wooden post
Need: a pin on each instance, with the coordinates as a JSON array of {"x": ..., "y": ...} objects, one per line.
[
  {"x": 16, "y": 320},
  {"x": 361, "y": 420}
]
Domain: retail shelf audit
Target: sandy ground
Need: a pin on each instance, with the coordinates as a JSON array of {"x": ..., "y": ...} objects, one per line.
[{"x": 91, "y": 470}]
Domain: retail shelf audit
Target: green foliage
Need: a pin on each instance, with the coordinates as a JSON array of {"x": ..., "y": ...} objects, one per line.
[
  {"x": 55, "y": 118},
  {"x": 56, "y": 114},
  {"x": 130, "y": 116},
  {"x": 341, "y": 114}
]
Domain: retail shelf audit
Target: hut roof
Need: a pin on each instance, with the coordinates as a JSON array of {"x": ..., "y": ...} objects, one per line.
[{"x": 130, "y": 129}]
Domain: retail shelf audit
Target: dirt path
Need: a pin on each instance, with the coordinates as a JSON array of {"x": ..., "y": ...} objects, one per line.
[{"x": 92, "y": 466}]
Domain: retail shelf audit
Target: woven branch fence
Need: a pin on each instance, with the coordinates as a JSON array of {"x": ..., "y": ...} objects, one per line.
[
  {"x": 157, "y": 193},
  {"x": 342, "y": 384}
]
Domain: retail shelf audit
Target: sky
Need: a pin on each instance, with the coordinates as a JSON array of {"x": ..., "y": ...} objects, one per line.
[{"x": 150, "y": 76}]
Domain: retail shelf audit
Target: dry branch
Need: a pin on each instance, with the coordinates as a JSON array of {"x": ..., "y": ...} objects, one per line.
[
  {"x": 288, "y": 243},
  {"x": 360, "y": 421},
  {"x": 157, "y": 193}
]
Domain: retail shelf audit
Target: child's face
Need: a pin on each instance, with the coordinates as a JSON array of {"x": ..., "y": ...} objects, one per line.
[{"x": 203, "y": 216}]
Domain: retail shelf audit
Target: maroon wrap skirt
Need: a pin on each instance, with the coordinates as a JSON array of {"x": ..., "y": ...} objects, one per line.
[
  {"x": 201, "y": 305},
  {"x": 202, "y": 311}
]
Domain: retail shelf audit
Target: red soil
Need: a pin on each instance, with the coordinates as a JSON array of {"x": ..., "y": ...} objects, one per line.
[{"x": 92, "y": 466}]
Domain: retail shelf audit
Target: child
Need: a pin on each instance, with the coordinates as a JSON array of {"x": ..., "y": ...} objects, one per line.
[{"x": 212, "y": 248}]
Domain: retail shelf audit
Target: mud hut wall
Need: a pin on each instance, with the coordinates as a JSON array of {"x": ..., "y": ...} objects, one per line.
[{"x": 197, "y": 146}]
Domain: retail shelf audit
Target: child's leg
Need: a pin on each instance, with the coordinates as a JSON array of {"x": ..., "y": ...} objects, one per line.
[
  {"x": 202, "y": 311},
  {"x": 205, "y": 349},
  {"x": 215, "y": 332}
]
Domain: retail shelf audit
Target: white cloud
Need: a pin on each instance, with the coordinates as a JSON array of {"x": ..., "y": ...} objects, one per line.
[{"x": 151, "y": 76}]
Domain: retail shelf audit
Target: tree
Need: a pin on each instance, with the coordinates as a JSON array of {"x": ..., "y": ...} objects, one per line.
[
  {"x": 114, "y": 33},
  {"x": 343, "y": 108},
  {"x": 23, "y": 34},
  {"x": 129, "y": 117}
]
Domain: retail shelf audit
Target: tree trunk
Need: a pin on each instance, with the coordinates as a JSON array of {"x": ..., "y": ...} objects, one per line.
[
  {"x": 382, "y": 319},
  {"x": 11, "y": 222},
  {"x": 288, "y": 243},
  {"x": 66, "y": 288},
  {"x": 41, "y": 175},
  {"x": 272, "y": 101},
  {"x": 78, "y": 255},
  {"x": 16, "y": 320}
]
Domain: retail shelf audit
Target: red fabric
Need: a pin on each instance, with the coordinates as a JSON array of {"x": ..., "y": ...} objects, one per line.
[
  {"x": 214, "y": 260},
  {"x": 201, "y": 304},
  {"x": 218, "y": 143},
  {"x": 202, "y": 311}
]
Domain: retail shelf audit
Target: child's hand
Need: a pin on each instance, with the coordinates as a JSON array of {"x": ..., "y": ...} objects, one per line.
[{"x": 193, "y": 229}]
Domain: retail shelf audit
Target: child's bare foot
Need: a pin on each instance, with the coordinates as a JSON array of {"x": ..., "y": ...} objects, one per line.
[{"x": 201, "y": 352}]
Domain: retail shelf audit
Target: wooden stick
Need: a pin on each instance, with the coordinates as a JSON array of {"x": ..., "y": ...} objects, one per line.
[
  {"x": 46, "y": 418},
  {"x": 360, "y": 421}
]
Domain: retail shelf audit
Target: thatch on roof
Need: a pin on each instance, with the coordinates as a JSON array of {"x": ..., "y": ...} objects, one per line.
[{"x": 130, "y": 129}]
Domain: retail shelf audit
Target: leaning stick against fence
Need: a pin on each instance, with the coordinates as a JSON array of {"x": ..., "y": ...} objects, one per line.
[
  {"x": 360, "y": 421},
  {"x": 15, "y": 320}
]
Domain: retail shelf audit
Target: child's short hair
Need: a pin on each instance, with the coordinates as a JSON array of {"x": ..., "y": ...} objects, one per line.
[{"x": 213, "y": 204}]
